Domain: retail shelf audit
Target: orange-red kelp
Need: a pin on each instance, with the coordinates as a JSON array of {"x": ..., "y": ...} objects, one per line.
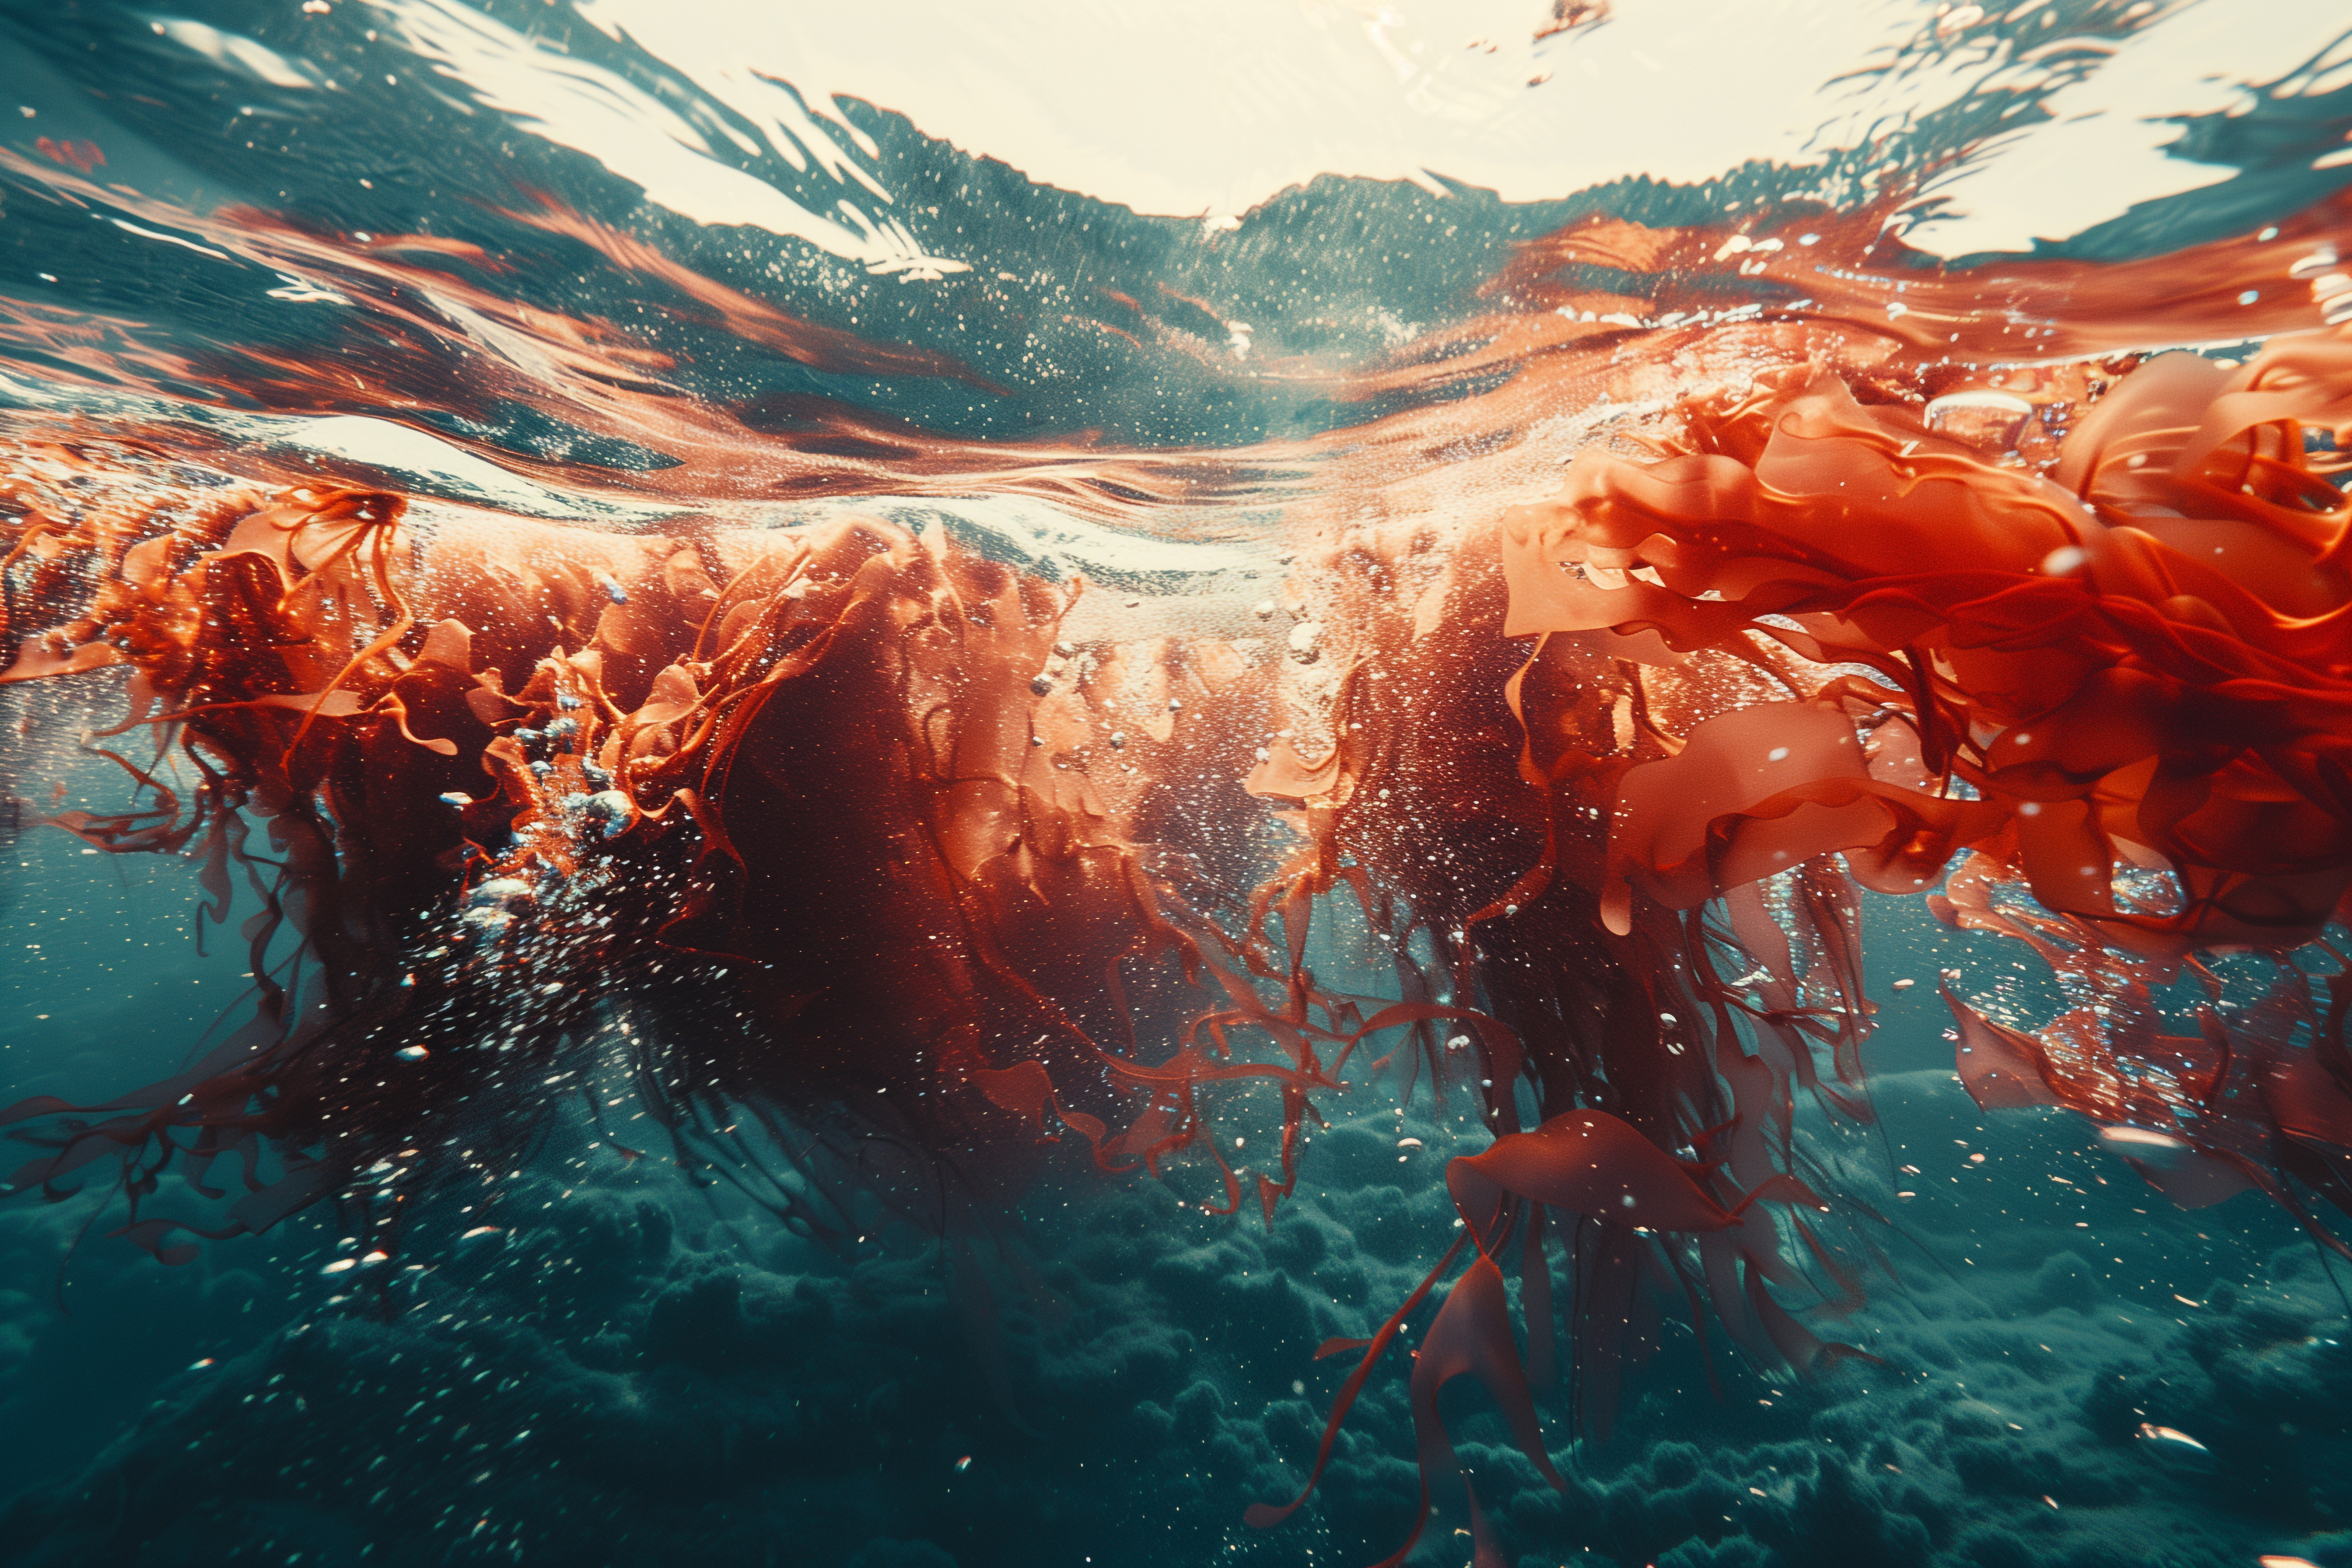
[
  {"x": 2122, "y": 687},
  {"x": 822, "y": 779},
  {"x": 914, "y": 865},
  {"x": 1798, "y": 625},
  {"x": 924, "y": 863}
]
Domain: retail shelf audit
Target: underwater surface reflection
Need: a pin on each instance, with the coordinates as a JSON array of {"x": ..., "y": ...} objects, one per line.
[{"x": 1527, "y": 783}]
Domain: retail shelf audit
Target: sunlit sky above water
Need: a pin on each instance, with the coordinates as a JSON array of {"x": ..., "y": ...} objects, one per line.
[
  {"x": 1191, "y": 368},
  {"x": 1211, "y": 109}
]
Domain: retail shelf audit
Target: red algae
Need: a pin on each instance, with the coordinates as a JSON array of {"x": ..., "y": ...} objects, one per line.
[{"x": 1923, "y": 584}]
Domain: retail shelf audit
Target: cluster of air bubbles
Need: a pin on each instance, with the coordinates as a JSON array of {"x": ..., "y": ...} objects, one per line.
[
  {"x": 604, "y": 813},
  {"x": 495, "y": 902}
]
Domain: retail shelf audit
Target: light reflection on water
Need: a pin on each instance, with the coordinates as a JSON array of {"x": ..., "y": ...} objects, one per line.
[{"x": 1150, "y": 308}]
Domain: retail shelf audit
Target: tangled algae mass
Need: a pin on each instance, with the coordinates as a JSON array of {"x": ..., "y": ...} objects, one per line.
[{"x": 906, "y": 845}]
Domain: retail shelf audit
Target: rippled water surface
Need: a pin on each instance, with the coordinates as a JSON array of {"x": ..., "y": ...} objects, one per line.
[{"x": 925, "y": 786}]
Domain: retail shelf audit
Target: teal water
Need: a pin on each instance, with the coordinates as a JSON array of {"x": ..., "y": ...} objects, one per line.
[{"x": 608, "y": 1363}]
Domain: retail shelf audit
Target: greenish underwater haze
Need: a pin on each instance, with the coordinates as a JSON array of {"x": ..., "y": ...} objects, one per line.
[{"x": 590, "y": 1362}]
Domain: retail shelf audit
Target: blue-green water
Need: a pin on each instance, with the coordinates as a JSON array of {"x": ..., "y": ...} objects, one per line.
[{"x": 604, "y": 1362}]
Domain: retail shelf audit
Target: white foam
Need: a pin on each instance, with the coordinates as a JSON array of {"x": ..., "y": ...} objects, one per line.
[
  {"x": 636, "y": 136},
  {"x": 442, "y": 466},
  {"x": 238, "y": 53}
]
